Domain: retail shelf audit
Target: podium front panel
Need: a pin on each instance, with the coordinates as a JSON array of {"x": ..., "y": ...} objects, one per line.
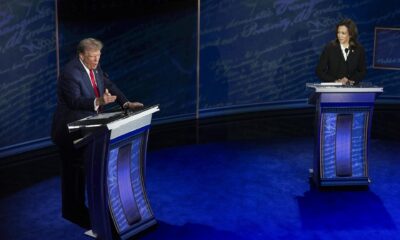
[
  {"x": 128, "y": 203},
  {"x": 342, "y": 131},
  {"x": 115, "y": 145},
  {"x": 334, "y": 138}
]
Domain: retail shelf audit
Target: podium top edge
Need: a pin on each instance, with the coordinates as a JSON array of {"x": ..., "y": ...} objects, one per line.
[
  {"x": 335, "y": 88},
  {"x": 110, "y": 118}
]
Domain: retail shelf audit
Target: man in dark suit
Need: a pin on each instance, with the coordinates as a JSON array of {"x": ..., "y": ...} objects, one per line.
[
  {"x": 83, "y": 89},
  {"x": 343, "y": 59}
]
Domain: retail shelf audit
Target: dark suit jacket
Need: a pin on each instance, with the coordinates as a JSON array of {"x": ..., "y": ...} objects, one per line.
[
  {"x": 332, "y": 65},
  {"x": 75, "y": 98}
]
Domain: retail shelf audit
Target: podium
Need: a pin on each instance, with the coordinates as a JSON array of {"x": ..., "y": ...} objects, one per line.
[
  {"x": 342, "y": 131},
  {"x": 114, "y": 146}
]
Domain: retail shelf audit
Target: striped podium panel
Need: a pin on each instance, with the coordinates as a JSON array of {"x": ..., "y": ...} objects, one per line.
[
  {"x": 115, "y": 147},
  {"x": 343, "y": 123}
]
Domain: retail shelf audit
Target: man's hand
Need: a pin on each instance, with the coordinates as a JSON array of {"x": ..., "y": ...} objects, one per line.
[
  {"x": 105, "y": 99},
  {"x": 344, "y": 80},
  {"x": 133, "y": 105}
]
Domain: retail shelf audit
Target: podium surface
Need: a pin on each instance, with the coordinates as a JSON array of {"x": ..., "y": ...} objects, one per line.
[
  {"x": 115, "y": 147},
  {"x": 342, "y": 132}
]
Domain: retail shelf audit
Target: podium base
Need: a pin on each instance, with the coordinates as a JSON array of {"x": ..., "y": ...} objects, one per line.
[
  {"x": 339, "y": 181},
  {"x": 90, "y": 233},
  {"x": 350, "y": 181}
]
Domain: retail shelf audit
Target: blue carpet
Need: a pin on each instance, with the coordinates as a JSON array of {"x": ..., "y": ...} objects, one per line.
[{"x": 235, "y": 190}]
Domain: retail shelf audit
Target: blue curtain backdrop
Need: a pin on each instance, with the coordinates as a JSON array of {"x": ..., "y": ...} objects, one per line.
[
  {"x": 253, "y": 54},
  {"x": 27, "y": 70},
  {"x": 264, "y": 52}
]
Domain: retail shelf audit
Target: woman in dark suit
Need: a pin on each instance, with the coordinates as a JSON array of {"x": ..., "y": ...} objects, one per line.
[{"x": 343, "y": 59}]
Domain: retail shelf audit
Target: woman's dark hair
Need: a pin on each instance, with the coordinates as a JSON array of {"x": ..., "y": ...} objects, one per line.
[{"x": 353, "y": 32}]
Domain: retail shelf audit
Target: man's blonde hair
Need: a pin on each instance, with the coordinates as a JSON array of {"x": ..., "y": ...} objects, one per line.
[{"x": 89, "y": 44}]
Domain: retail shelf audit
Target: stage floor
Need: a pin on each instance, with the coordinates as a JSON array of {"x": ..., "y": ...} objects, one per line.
[{"x": 237, "y": 189}]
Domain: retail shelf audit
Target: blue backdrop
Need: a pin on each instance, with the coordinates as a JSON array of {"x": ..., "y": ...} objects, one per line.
[
  {"x": 254, "y": 55},
  {"x": 262, "y": 53},
  {"x": 27, "y": 70}
]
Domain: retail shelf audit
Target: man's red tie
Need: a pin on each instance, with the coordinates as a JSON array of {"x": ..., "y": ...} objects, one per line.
[{"x": 95, "y": 88}]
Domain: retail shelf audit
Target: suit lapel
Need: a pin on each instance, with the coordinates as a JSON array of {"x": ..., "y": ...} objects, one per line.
[
  {"x": 86, "y": 82},
  {"x": 340, "y": 53},
  {"x": 87, "y": 85},
  {"x": 351, "y": 54}
]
